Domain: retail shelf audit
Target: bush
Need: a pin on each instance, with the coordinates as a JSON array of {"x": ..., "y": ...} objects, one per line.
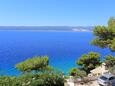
[
  {"x": 88, "y": 62},
  {"x": 77, "y": 72},
  {"x": 43, "y": 79},
  {"x": 33, "y": 64}
]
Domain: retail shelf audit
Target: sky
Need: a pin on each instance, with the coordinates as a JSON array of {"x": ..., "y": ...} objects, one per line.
[{"x": 56, "y": 12}]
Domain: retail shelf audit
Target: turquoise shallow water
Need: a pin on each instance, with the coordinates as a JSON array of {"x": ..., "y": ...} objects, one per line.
[{"x": 63, "y": 48}]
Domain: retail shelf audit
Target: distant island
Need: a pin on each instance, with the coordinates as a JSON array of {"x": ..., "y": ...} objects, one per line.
[{"x": 49, "y": 28}]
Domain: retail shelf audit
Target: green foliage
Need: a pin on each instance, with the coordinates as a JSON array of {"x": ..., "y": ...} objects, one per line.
[
  {"x": 111, "y": 25},
  {"x": 9, "y": 81},
  {"x": 89, "y": 61},
  {"x": 100, "y": 31},
  {"x": 112, "y": 45},
  {"x": 110, "y": 61},
  {"x": 30, "y": 79},
  {"x": 105, "y": 36},
  {"x": 53, "y": 79},
  {"x": 73, "y": 71},
  {"x": 77, "y": 72},
  {"x": 102, "y": 43},
  {"x": 33, "y": 64},
  {"x": 46, "y": 75}
]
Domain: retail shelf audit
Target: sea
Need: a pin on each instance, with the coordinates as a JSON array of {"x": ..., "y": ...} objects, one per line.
[{"x": 62, "y": 48}]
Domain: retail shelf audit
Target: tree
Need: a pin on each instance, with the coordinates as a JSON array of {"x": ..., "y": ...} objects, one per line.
[
  {"x": 77, "y": 72},
  {"x": 111, "y": 26},
  {"x": 89, "y": 61},
  {"x": 110, "y": 61},
  {"x": 34, "y": 64},
  {"x": 30, "y": 79},
  {"x": 105, "y": 36},
  {"x": 44, "y": 75},
  {"x": 54, "y": 78},
  {"x": 9, "y": 81}
]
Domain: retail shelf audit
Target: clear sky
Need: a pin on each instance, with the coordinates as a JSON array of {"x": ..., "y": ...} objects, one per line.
[{"x": 55, "y": 12}]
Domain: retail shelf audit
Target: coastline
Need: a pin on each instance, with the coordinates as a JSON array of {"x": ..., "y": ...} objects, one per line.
[{"x": 47, "y": 30}]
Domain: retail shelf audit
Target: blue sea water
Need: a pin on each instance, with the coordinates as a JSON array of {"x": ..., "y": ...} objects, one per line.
[{"x": 63, "y": 48}]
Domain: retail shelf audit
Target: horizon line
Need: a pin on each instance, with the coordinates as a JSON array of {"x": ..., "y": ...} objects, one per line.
[{"x": 44, "y": 26}]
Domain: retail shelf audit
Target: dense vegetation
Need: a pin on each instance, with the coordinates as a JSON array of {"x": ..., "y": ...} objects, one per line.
[
  {"x": 110, "y": 63},
  {"x": 86, "y": 63},
  {"x": 43, "y": 79},
  {"x": 104, "y": 38},
  {"x": 36, "y": 72},
  {"x": 33, "y": 64},
  {"x": 105, "y": 35},
  {"x": 77, "y": 72},
  {"x": 89, "y": 61}
]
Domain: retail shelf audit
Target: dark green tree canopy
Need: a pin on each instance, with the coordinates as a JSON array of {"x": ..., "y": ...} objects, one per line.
[
  {"x": 77, "y": 72},
  {"x": 110, "y": 61},
  {"x": 35, "y": 63},
  {"x": 89, "y": 61},
  {"x": 105, "y": 35},
  {"x": 30, "y": 79},
  {"x": 44, "y": 75}
]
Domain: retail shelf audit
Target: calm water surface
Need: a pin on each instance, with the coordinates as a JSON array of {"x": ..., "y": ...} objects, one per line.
[{"x": 63, "y": 48}]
